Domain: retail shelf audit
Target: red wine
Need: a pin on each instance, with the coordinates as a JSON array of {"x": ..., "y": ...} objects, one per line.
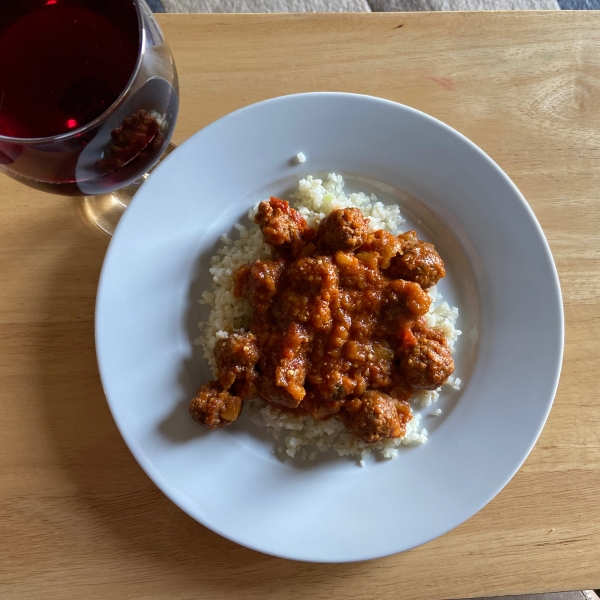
[
  {"x": 63, "y": 62},
  {"x": 69, "y": 68}
]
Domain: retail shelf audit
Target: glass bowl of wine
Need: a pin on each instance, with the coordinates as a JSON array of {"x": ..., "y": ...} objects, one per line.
[{"x": 89, "y": 97}]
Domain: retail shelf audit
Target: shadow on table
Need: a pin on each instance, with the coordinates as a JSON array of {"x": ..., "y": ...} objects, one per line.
[{"x": 116, "y": 511}]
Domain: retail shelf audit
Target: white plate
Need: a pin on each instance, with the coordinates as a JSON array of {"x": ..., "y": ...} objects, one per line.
[{"x": 500, "y": 274}]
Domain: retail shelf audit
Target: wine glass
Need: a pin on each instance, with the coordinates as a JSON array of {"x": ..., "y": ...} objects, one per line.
[{"x": 89, "y": 97}]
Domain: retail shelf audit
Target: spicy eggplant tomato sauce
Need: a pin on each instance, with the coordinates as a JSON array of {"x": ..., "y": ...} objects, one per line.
[{"x": 337, "y": 329}]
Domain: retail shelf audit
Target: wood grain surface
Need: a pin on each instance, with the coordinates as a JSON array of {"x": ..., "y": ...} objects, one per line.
[{"x": 79, "y": 518}]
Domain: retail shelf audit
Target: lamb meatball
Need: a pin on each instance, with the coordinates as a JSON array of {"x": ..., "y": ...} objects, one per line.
[
  {"x": 375, "y": 416},
  {"x": 236, "y": 356},
  {"x": 283, "y": 368},
  {"x": 258, "y": 282},
  {"x": 271, "y": 392},
  {"x": 344, "y": 229},
  {"x": 406, "y": 298},
  {"x": 282, "y": 227},
  {"x": 425, "y": 359},
  {"x": 214, "y": 407},
  {"x": 417, "y": 261},
  {"x": 306, "y": 294}
]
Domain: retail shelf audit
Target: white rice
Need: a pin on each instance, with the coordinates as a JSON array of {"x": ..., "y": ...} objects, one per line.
[{"x": 303, "y": 436}]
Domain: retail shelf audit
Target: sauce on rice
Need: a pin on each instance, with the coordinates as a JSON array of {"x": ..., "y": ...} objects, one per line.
[{"x": 339, "y": 327}]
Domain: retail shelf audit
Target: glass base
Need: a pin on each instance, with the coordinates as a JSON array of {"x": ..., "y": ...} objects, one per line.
[{"x": 105, "y": 210}]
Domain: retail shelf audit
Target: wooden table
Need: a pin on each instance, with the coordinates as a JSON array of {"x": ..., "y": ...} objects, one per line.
[{"x": 78, "y": 517}]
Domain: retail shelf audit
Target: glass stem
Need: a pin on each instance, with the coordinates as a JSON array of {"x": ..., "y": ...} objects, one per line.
[{"x": 105, "y": 210}]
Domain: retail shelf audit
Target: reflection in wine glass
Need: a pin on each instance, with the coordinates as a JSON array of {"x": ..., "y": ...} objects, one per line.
[{"x": 88, "y": 99}]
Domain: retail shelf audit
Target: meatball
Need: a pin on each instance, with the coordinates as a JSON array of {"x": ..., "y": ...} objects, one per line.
[
  {"x": 258, "y": 282},
  {"x": 284, "y": 368},
  {"x": 282, "y": 227},
  {"x": 406, "y": 298},
  {"x": 291, "y": 369},
  {"x": 214, "y": 407},
  {"x": 425, "y": 360},
  {"x": 375, "y": 416},
  {"x": 236, "y": 356},
  {"x": 418, "y": 261},
  {"x": 344, "y": 229},
  {"x": 309, "y": 287},
  {"x": 271, "y": 392}
]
